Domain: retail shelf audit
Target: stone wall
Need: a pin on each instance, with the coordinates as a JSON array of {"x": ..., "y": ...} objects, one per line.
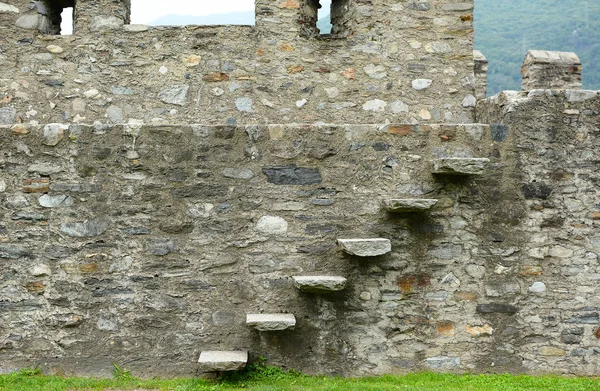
[
  {"x": 553, "y": 275},
  {"x": 403, "y": 62},
  {"x": 145, "y": 245},
  {"x": 158, "y": 184},
  {"x": 551, "y": 70}
]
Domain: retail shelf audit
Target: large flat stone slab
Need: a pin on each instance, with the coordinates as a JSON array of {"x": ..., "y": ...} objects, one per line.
[
  {"x": 408, "y": 205},
  {"x": 271, "y": 322},
  {"x": 221, "y": 361},
  {"x": 319, "y": 284},
  {"x": 460, "y": 166},
  {"x": 365, "y": 247}
]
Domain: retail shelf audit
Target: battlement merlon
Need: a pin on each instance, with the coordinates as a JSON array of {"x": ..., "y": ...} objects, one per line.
[
  {"x": 481, "y": 71},
  {"x": 357, "y": 18},
  {"x": 551, "y": 70}
]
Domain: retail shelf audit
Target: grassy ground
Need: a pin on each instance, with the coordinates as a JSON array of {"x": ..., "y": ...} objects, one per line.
[{"x": 263, "y": 378}]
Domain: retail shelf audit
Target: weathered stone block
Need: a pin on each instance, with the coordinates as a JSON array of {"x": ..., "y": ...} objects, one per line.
[
  {"x": 591, "y": 318},
  {"x": 408, "y": 205},
  {"x": 319, "y": 284},
  {"x": 8, "y": 115},
  {"x": 365, "y": 247},
  {"x": 271, "y": 322},
  {"x": 551, "y": 70},
  {"x": 499, "y": 308},
  {"x": 292, "y": 175},
  {"x": 536, "y": 190},
  {"x": 460, "y": 166},
  {"x": 13, "y": 251},
  {"x": 88, "y": 228},
  {"x": 222, "y": 361},
  {"x": 442, "y": 362},
  {"x": 175, "y": 95}
]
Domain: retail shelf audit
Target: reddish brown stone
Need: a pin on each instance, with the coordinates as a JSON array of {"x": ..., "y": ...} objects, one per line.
[
  {"x": 408, "y": 283},
  {"x": 479, "y": 330},
  {"x": 465, "y": 296},
  {"x": 21, "y": 129},
  {"x": 89, "y": 268},
  {"x": 35, "y": 287},
  {"x": 467, "y": 18},
  {"x": 41, "y": 185},
  {"x": 597, "y": 333},
  {"x": 215, "y": 77},
  {"x": 292, "y": 69},
  {"x": 531, "y": 270},
  {"x": 402, "y": 130},
  {"x": 596, "y": 215},
  {"x": 349, "y": 73},
  {"x": 446, "y": 329},
  {"x": 289, "y": 4},
  {"x": 286, "y": 47}
]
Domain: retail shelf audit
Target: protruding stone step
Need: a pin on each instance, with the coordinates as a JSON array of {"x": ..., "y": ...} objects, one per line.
[
  {"x": 271, "y": 322},
  {"x": 319, "y": 284},
  {"x": 408, "y": 205},
  {"x": 365, "y": 247},
  {"x": 460, "y": 166},
  {"x": 221, "y": 361}
]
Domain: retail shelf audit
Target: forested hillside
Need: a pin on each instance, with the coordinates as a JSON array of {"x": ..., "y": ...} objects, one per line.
[{"x": 506, "y": 29}]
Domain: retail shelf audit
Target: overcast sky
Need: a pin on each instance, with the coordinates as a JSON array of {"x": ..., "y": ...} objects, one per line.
[{"x": 146, "y": 11}]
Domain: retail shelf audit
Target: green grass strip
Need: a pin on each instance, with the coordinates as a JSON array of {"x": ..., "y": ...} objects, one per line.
[{"x": 260, "y": 377}]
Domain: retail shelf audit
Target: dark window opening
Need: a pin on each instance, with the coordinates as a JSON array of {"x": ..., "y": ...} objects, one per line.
[
  {"x": 57, "y": 16},
  {"x": 325, "y": 18}
]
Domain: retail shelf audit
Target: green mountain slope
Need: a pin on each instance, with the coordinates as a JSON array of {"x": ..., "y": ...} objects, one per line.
[{"x": 505, "y": 30}]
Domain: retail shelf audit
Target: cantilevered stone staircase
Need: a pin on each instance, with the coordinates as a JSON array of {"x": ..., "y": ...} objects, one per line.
[{"x": 220, "y": 361}]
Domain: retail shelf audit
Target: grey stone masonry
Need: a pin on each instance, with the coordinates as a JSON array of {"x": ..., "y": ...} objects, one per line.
[
  {"x": 481, "y": 70},
  {"x": 460, "y": 166},
  {"x": 222, "y": 361},
  {"x": 545, "y": 69},
  {"x": 365, "y": 247},
  {"x": 408, "y": 205},
  {"x": 101, "y": 15},
  {"x": 112, "y": 71},
  {"x": 271, "y": 322},
  {"x": 319, "y": 284}
]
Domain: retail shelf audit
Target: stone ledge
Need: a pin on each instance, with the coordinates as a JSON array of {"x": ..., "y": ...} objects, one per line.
[
  {"x": 550, "y": 57},
  {"x": 221, "y": 361},
  {"x": 460, "y": 166},
  {"x": 408, "y": 205},
  {"x": 271, "y": 322},
  {"x": 319, "y": 284},
  {"x": 365, "y": 247}
]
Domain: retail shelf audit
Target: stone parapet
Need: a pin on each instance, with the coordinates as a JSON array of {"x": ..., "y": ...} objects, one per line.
[
  {"x": 481, "y": 73},
  {"x": 546, "y": 69},
  {"x": 383, "y": 63}
]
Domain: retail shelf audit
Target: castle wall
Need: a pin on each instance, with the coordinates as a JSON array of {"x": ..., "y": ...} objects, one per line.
[
  {"x": 146, "y": 245},
  {"x": 556, "y": 137},
  {"x": 273, "y": 72},
  {"x": 158, "y": 184}
]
